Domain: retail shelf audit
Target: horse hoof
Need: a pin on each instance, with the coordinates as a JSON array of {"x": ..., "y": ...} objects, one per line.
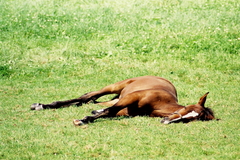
[
  {"x": 36, "y": 106},
  {"x": 77, "y": 122},
  {"x": 165, "y": 120}
]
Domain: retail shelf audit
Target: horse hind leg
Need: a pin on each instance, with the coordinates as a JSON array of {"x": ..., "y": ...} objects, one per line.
[
  {"x": 88, "y": 97},
  {"x": 54, "y": 105},
  {"x": 91, "y": 96}
]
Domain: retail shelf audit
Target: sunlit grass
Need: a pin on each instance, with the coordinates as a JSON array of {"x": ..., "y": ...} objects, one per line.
[{"x": 57, "y": 50}]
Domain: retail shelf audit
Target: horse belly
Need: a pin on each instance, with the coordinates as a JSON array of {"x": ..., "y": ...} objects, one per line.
[
  {"x": 123, "y": 112},
  {"x": 133, "y": 112}
]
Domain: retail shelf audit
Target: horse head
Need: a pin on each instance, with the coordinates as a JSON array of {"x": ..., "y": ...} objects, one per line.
[{"x": 191, "y": 112}]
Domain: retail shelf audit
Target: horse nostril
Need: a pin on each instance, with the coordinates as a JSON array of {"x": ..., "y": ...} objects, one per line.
[{"x": 94, "y": 112}]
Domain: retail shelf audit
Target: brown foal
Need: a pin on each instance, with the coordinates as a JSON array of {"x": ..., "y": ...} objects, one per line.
[{"x": 140, "y": 96}]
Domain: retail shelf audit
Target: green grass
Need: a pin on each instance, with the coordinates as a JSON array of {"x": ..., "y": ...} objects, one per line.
[{"x": 57, "y": 50}]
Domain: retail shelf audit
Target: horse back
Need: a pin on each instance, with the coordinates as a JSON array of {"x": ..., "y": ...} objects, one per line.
[{"x": 149, "y": 83}]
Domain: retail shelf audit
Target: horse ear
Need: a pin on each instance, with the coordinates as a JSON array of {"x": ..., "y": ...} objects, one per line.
[{"x": 203, "y": 99}]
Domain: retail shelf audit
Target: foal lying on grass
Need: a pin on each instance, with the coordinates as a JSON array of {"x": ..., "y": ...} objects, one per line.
[{"x": 140, "y": 96}]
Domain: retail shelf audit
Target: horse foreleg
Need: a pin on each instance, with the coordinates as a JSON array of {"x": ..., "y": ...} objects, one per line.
[
  {"x": 108, "y": 112},
  {"x": 127, "y": 101}
]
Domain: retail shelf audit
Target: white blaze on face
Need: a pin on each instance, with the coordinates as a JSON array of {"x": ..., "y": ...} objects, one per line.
[
  {"x": 190, "y": 114},
  {"x": 100, "y": 110}
]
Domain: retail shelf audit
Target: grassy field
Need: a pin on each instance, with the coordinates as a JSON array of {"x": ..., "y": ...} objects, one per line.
[{"x": 57, "y": 50}]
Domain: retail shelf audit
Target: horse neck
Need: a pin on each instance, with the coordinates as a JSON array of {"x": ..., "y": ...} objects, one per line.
[
  {"x": 178, "y": 106},
  {"x": 173, "y": 107}
]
